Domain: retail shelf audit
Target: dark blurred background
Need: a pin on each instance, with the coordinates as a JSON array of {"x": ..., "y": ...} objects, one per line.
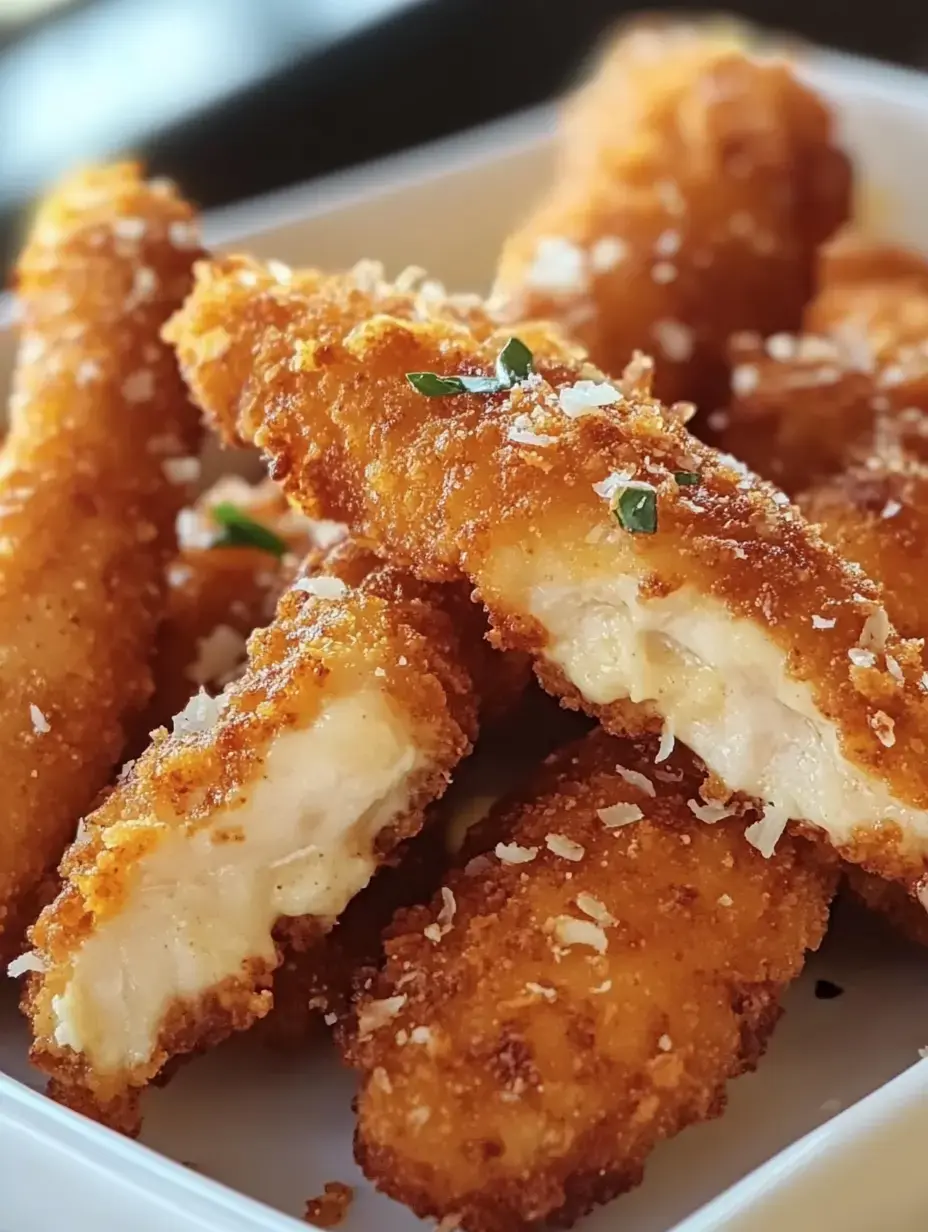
[{"x": 235, "y": 97}]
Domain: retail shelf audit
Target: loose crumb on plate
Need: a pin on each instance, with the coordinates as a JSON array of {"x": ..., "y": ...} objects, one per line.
[{"x": 331, "y": 1208}]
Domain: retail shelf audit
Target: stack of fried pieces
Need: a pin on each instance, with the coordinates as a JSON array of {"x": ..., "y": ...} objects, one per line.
[{"x": 462, "y": 491}]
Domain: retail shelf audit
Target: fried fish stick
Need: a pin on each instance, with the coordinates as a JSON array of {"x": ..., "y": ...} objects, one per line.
[
  {"x": 655, "y": 582},
  {"x": 256, "y": 821},
  {"x": 807, "y": 407},
  {"x": 695, "y": 181},
  {"x": 222, "y": 586},
  {"x": 98, "y": 418},
  {"x": 581, "y": 990}
]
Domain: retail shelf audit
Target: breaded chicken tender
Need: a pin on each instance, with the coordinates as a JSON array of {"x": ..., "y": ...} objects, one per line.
[
  {"x": 635, "y": 563},
  {"x": 222, "y": 586},
  {"x": 318, "y": 982},
  {"x": 580, "y": 990},
  {"x": 694, "y": 182},
  {"x": 807, "y": 407},
  {"x": 253, "y": 824},
  {"x": 98, "y": 418}
]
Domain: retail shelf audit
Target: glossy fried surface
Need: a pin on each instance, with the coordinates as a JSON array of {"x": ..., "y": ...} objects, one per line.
[
  {"x": 98, "y": 413},
  {"x": 507, "y": 488},
  {"x": 807, "y": 407},
  {"x": 581, "y": 989},
  {"x": 378, "y": 630},
  {"x": 694, "y": 181}
]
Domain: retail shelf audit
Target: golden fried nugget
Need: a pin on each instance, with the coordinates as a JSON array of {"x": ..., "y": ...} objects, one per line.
[
  {"x": 695, "y": 181},
  {"x": 580, "y": 990},
  {"x": 98, "y": 420},
  {"x": 635, "y": 563},
  {"x": 807, "y": 407},
  {"x": 252, "y": 825},
  {"x": 219, "y": 592}
]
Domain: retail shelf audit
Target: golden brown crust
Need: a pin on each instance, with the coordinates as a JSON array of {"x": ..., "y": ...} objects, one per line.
[
  {"x": 86, "y": 510},
  {"x": 523, "y": 1074},
  {"x": 442, "y": 485},
  {"x": 315, "y": 649},
  {"x": 699, "y": 178},
  {"x": 807, "y": 407}
]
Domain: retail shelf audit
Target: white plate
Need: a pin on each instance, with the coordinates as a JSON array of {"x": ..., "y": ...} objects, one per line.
[{"x": 276, "y": 1128}]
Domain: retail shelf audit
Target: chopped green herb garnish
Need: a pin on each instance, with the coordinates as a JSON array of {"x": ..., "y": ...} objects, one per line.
[
  {"x": 433, "y": 385},
  {"x": 514, "y": 363},
  {"x": 241, "y": 531},
  {"x": 635, "y": 509},
  {"x": 686, "y": 479}
]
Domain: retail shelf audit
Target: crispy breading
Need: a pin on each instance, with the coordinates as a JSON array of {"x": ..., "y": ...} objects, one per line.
[
  {"x": 580, "y": 990},
  {"x": 733, "y": 623},
  {"x": 807, "y": 407},
  {"x": 694, "y": 181},
  {"x": 264, "y": 812},
  {"x": 98, "y": 415}
]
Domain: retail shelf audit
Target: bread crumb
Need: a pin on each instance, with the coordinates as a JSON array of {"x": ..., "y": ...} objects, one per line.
[{"x": 331, "y": 1208}]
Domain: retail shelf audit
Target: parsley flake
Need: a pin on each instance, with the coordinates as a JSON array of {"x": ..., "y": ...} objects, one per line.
[
  {"x": 513, "y": 364},
  {"x": 686, "y": 479},
  {"x": 241, "y": 531},
  {"x": 635, "y": 509}
]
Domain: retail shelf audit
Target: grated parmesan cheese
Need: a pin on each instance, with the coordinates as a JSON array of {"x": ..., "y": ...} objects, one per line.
[
  {"x": 513, "y": 853},
  {"x": 765, "y": 833},
  {"x": 564, "y": 847},
  {"x": 595, "y": 909},
  {"x": 139, "y": 386},
  {"x": 199, "y": 715},
  {"x": 40, "y": 724},
  {"x": 665, "y": 748},
  {"x": 619, "y": 815},
  {"x": 819, "y": 622},
  {"x": 744, "y": 380},
  {"x": 875, "y": 631},
  {"x": 709, "y": 813},
  {"x": 585, "y": 396},
  {"x": 608, "y": 252},
  {"x": 377, "y": 1014},
  {"x": 641, "y": 781},
  {"x": 890, "y": 509},
  {"x": 558, "y": 267},
  {"x": 322, "y": 586},
  {"x": 219, "y": 654},
  {"x": 444, "y": 922},
  {"x": 569, "y": 931},
  {"x": 30, "y": 961},
  {"x": 861, "y": 658},
  {"x": 181, "y": 470}
]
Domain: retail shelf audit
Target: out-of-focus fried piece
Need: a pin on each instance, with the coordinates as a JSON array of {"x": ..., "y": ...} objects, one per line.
[
  {"x": 221, "y": 587},
  {"x": 695, "y": 181},
  {"x": 582, "y": 989},
  {"x": 656, "y": 583},
  {"x": 254, "y": 824},
  {"x": 99, "y": 423},
  {"x": 876, "y": 514},
  {"x": 807, "y": 407},
  {"x": 889, "y": 899}
]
